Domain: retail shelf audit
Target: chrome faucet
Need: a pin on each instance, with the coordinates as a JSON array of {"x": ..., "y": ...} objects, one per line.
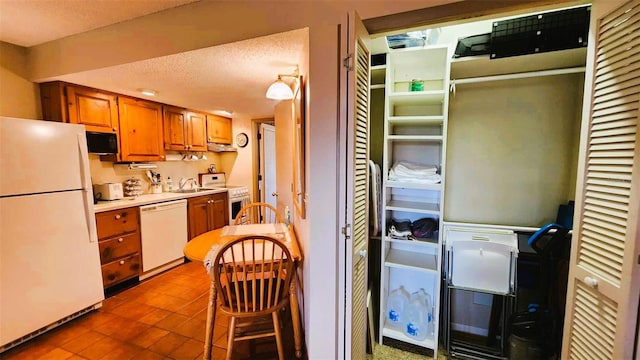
[{"x": 184, "y": 181}]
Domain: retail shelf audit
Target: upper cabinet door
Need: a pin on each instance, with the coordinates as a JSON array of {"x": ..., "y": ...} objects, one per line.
[
  {"x": 218, "y": 129},
  {"x": 175, "y": 128},
  {"x": 197, "y": 131},
  {"x": 141, "y": 135},
  {"x": 96, "y": 110}
]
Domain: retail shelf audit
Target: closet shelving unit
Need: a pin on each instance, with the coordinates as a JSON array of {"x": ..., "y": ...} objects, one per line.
[
  {"x": 415, "y": 124},
  {"x": 473, "y": 69}
]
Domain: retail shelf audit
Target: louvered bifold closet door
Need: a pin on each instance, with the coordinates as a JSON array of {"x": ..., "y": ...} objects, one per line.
[
  {"x": 603, "y": 279},
  {"x": 360, "y": 205},
  {"x": 356, "y": 227}
]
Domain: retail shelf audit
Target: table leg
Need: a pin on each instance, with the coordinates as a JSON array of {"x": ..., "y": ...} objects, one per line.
[
  {"x": 295, "y": 316},
  {"x": 211, "y": 319}
]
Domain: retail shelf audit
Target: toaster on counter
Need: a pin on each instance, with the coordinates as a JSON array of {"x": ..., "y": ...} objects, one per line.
[{"x": 108, "y": 191}]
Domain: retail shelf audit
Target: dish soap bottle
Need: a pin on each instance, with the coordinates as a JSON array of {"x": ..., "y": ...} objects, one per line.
[{"x": 168, "y": 185}]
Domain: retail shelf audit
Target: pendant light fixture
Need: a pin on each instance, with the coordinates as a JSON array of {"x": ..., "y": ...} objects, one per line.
[{"x": 280, "y": 90}]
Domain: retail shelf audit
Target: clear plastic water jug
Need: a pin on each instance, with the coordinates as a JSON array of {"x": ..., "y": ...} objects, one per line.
[
  {"x": 429, "y": 312},
  {"x": 416, "y": 317},
  {"x": 396, "y": 306}
]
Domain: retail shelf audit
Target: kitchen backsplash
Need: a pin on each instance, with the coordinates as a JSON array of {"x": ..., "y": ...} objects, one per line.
[{"x": 106, "y": 172}]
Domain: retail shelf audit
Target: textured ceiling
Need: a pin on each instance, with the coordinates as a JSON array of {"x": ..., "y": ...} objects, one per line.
[
  {"x": 232, "y": 77},
  {"x": 32, "y": 22}
]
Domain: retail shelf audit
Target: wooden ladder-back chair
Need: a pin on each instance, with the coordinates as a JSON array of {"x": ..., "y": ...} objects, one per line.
[
  {"x": 257, "y": 213},
  {"x": 252, "y": 275}
]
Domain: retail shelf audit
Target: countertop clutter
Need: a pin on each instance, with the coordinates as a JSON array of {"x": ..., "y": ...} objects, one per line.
[{"x": 145, "y": 199}]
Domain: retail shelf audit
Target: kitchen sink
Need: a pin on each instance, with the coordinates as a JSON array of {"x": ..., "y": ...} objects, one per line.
[{"x": 193, "y": 190}]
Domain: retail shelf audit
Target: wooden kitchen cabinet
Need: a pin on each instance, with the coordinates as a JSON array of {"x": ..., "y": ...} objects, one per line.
[
  {"x": 184, "y": 129},
  {"x": 197, "y": 131},
  {"x": 219, "y": 129},
  {"x": 174, "y": 121},
  {"x": 97, "y": 110},
  {"x": 119, "y": 244},
  {"x": 141, "y": 135},
  {"x": 207, "y": 213}
]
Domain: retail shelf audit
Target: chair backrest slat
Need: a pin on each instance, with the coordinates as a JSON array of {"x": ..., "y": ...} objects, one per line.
[
  {"x": 253, "y": 283},
  {"x": 263, "y": 284},
  {"x": 273, "y": 282}
]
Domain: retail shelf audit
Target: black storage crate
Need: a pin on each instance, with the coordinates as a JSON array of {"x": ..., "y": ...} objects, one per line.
[
  {"x": 473, "y": 45},
  {"x": 378, "y": 59},
  {"x": 559, "y": 30}
]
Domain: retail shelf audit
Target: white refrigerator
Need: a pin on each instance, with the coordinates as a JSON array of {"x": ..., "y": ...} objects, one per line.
[{"x": 49, "y": 257}]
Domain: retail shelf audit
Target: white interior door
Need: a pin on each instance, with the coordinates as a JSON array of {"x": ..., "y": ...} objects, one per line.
[
  {"x": 356, "y": 225},
  {"x": 604, "y": 275},
  {"x": 268, "y": 164}
]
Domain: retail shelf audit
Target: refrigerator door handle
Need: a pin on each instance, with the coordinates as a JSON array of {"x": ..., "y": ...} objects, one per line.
[
  {"x": 84, "y": 162},
  {"x": 87, "y": 189}
]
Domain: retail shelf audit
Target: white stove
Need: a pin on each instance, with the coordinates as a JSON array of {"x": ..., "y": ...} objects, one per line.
[
  {"x": 215, "y": 180},
  {"x": 237, "y": 191},
  {"x": 237, "y": 195}
]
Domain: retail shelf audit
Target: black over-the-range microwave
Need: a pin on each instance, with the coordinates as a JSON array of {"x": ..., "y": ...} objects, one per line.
[{"x": 102, "y": 143}]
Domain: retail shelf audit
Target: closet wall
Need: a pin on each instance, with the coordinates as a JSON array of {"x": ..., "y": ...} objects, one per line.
[{"x": 512, "y": 150}]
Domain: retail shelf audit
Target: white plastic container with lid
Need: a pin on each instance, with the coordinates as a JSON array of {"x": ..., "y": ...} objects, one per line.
[
  {"x": 416, "y": 317},
  {"x": 396, "y": 305}
]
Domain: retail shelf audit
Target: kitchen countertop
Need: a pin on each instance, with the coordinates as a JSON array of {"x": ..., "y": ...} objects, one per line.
[{"x": 146, "y": 199}]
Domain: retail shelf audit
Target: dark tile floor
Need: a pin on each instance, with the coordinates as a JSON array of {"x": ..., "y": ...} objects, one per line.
[{"x": 161, "y": 318}]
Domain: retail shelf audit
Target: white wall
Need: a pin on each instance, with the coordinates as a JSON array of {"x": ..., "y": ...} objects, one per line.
[
  {"x": 19, "y": 97},
  {"x": 511, "y": 156},
  {"x": 238, "y": 166}
]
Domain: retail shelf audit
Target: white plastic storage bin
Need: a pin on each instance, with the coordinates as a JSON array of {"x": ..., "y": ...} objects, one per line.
[{"x": 482, "y": 259}]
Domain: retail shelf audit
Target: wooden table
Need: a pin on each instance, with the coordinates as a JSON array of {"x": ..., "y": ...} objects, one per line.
[{"x": 197, "y": 249}]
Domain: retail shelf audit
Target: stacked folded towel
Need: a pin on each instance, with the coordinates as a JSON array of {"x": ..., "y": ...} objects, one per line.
[{"x": 412, "y": 172}]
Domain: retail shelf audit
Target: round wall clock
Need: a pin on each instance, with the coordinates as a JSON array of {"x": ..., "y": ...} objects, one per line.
[{"x": 242, "y": 139}]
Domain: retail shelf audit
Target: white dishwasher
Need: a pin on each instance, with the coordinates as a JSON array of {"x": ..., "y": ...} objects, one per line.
[{"x": 163, "y": 230}]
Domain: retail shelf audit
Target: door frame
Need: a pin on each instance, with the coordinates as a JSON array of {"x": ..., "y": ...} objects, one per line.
[{"x": 255, "y": 156}]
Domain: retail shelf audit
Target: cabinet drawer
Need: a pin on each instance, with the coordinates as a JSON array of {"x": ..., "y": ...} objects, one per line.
[
  {"x": 116, "y": 222},
  {"x": 118, "y": 247},
  {"x": 119, "y": 270}
]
